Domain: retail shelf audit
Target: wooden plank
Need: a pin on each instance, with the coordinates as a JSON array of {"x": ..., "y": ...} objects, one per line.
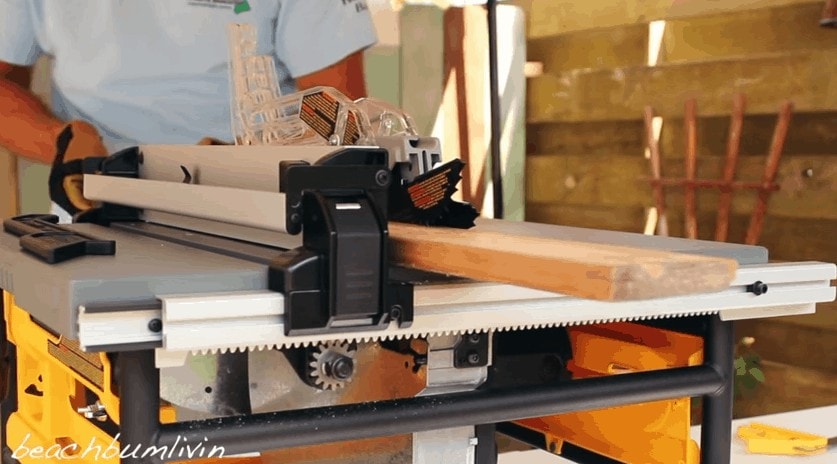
[
  {"x": 619, "y": 181},
  {"x": 9, "y": 185},
  {"x": 594, "y": 49},
  {"x": 787, "y": 341},
  {"x": 810, "y": 134},
  {"x": 592, "y": 137},
  {"x": 548, "y": 18},
  {"x": 445, "y": 89},
  {"x": 812, "y": 238},
  {"x": 619, "y": 94},
  {"x": 785, "y": 28},
  {"x": 730, "y": 164},
  {"x": 656, "y": 173},
  {"x": 771, "y": 166},
  {"x": 466, "y": 129},
  {"x": 742, "y": 33},
  {"x": 608, "y": 273},
  {"x": 691, "y": 167}
]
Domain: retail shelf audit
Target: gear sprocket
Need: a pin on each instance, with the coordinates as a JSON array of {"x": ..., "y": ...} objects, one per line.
[{"x": 331, "y": 365}]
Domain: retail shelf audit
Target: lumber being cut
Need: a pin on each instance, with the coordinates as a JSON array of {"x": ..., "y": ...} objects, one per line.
[{"x": 585, "y": 270}]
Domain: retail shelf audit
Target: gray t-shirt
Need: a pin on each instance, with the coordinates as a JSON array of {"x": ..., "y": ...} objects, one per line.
[{"x": 156, "y": 71}]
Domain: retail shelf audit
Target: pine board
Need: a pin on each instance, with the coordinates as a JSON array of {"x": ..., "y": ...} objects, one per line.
[{"x": 600, "y": 272}]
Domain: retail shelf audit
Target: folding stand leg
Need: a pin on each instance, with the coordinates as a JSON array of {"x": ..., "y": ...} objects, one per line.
[
  {"x": 139, "y": 405},
  {"x": 716, "y": 430}
]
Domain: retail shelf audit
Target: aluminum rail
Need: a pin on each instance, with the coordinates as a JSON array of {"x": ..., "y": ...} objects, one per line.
[{"x": 204, "y": 323}]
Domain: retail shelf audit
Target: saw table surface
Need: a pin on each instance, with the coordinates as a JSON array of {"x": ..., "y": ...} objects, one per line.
[{"x": 146, "y": 265}]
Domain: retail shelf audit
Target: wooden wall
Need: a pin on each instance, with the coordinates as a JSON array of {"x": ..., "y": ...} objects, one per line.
[{"x": 585, "y": 143}]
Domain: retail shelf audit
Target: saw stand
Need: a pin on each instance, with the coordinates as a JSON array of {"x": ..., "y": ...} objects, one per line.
[{"x": 489, "y": 408}]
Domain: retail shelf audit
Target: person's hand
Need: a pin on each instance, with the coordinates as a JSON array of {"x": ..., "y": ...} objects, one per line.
[
  {"x": 74, "y": 142},
  {"x": 211, "y": 141}
]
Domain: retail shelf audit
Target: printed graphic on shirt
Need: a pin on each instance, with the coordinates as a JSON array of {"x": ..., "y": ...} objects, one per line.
[
  {"x": 359, "y": 5},
  {"x": 238, "y": 6}
]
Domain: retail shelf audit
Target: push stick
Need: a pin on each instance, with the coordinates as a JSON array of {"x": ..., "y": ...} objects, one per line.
[
  {"x": 770, "y": 169},
  {"x": 584, "y": 270},
  {"x": 725, "y": 200}
]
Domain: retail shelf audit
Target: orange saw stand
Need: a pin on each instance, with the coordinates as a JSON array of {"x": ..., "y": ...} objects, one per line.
[
  {"x": 52, "y": 379},
  {"x": 655, "y": 432}
]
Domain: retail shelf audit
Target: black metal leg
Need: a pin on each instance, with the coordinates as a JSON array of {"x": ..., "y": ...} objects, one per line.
[
  {"x": 139, "y": 406},
  {"x": 486, "y": 452},
  {"x": 496, "y": 123},
  {"x": 719, "y": 350}
]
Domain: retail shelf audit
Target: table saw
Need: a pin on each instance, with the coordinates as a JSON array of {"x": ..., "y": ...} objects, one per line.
[{"x": 226, "y": 301}]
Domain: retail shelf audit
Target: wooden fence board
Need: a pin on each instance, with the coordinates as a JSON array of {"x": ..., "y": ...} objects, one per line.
[
  {"x": 619, "y": 94},
  {"x": 810, "y": 134},
  {"x": 807, "y": 183},
  {"x": 815, "y": 241}
]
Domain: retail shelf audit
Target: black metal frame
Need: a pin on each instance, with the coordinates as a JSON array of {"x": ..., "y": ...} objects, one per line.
[
  {"x": 496, "y": 133},
  {"x": 139, "y": 394}
]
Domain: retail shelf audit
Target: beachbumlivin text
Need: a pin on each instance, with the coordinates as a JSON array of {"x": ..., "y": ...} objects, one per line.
[{"x": 181, "y": 448}]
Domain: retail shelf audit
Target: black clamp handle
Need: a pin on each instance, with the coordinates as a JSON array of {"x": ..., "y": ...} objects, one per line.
[{"x": 41, "y": 236}]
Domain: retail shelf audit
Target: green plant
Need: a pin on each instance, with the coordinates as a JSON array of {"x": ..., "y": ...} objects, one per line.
[{"x": 748, "y": 373}]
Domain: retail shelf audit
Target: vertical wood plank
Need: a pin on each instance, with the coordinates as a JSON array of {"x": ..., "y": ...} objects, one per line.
[
  {"x": 691, "y": 167},
  {"x": 656, "y": 172},
  {"x": 725, "y": 200},
  {"x": 464, "y": 106},
  {"x": 9, "y": 184},
  {"x": 770, "y": 169}
]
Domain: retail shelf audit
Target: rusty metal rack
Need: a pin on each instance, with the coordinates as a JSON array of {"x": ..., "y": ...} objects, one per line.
[{"x": 728, "y": 183}]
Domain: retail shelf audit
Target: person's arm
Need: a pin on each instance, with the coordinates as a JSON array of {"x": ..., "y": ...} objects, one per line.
[
  {"x": 27, "y": 127},
  {"x": 347, "y": 76}
]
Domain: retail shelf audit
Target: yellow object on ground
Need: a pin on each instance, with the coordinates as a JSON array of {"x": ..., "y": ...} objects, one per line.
[{"x": 767, "y": 439}]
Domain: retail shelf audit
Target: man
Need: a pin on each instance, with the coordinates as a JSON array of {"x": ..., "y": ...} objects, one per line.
[{"x": 155, "y": 71}]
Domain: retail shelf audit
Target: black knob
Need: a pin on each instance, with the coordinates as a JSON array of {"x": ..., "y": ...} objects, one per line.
[
  {"x": 758, "y": 288},
  {"x": 155, "y": 325}
]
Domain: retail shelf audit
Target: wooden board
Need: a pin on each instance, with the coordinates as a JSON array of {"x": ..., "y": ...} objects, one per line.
[
  {"x": 622, "y": 93},
  {"x": 782, "y": 340},
  {"x": 817, "y": 243},
  {"x": 810, "y": 134},
  {"x": 608, "y": 273},
  {"x": 547, "y": 17},
  {"x": 807, "y": 183},
  {"x": 784, "y": 28},
  {"x": 745, "y": 33},
  {"x": 465, "y": 105},
  {"x": 9, "y": 185},
  {"x": 594, "y": 49}
]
